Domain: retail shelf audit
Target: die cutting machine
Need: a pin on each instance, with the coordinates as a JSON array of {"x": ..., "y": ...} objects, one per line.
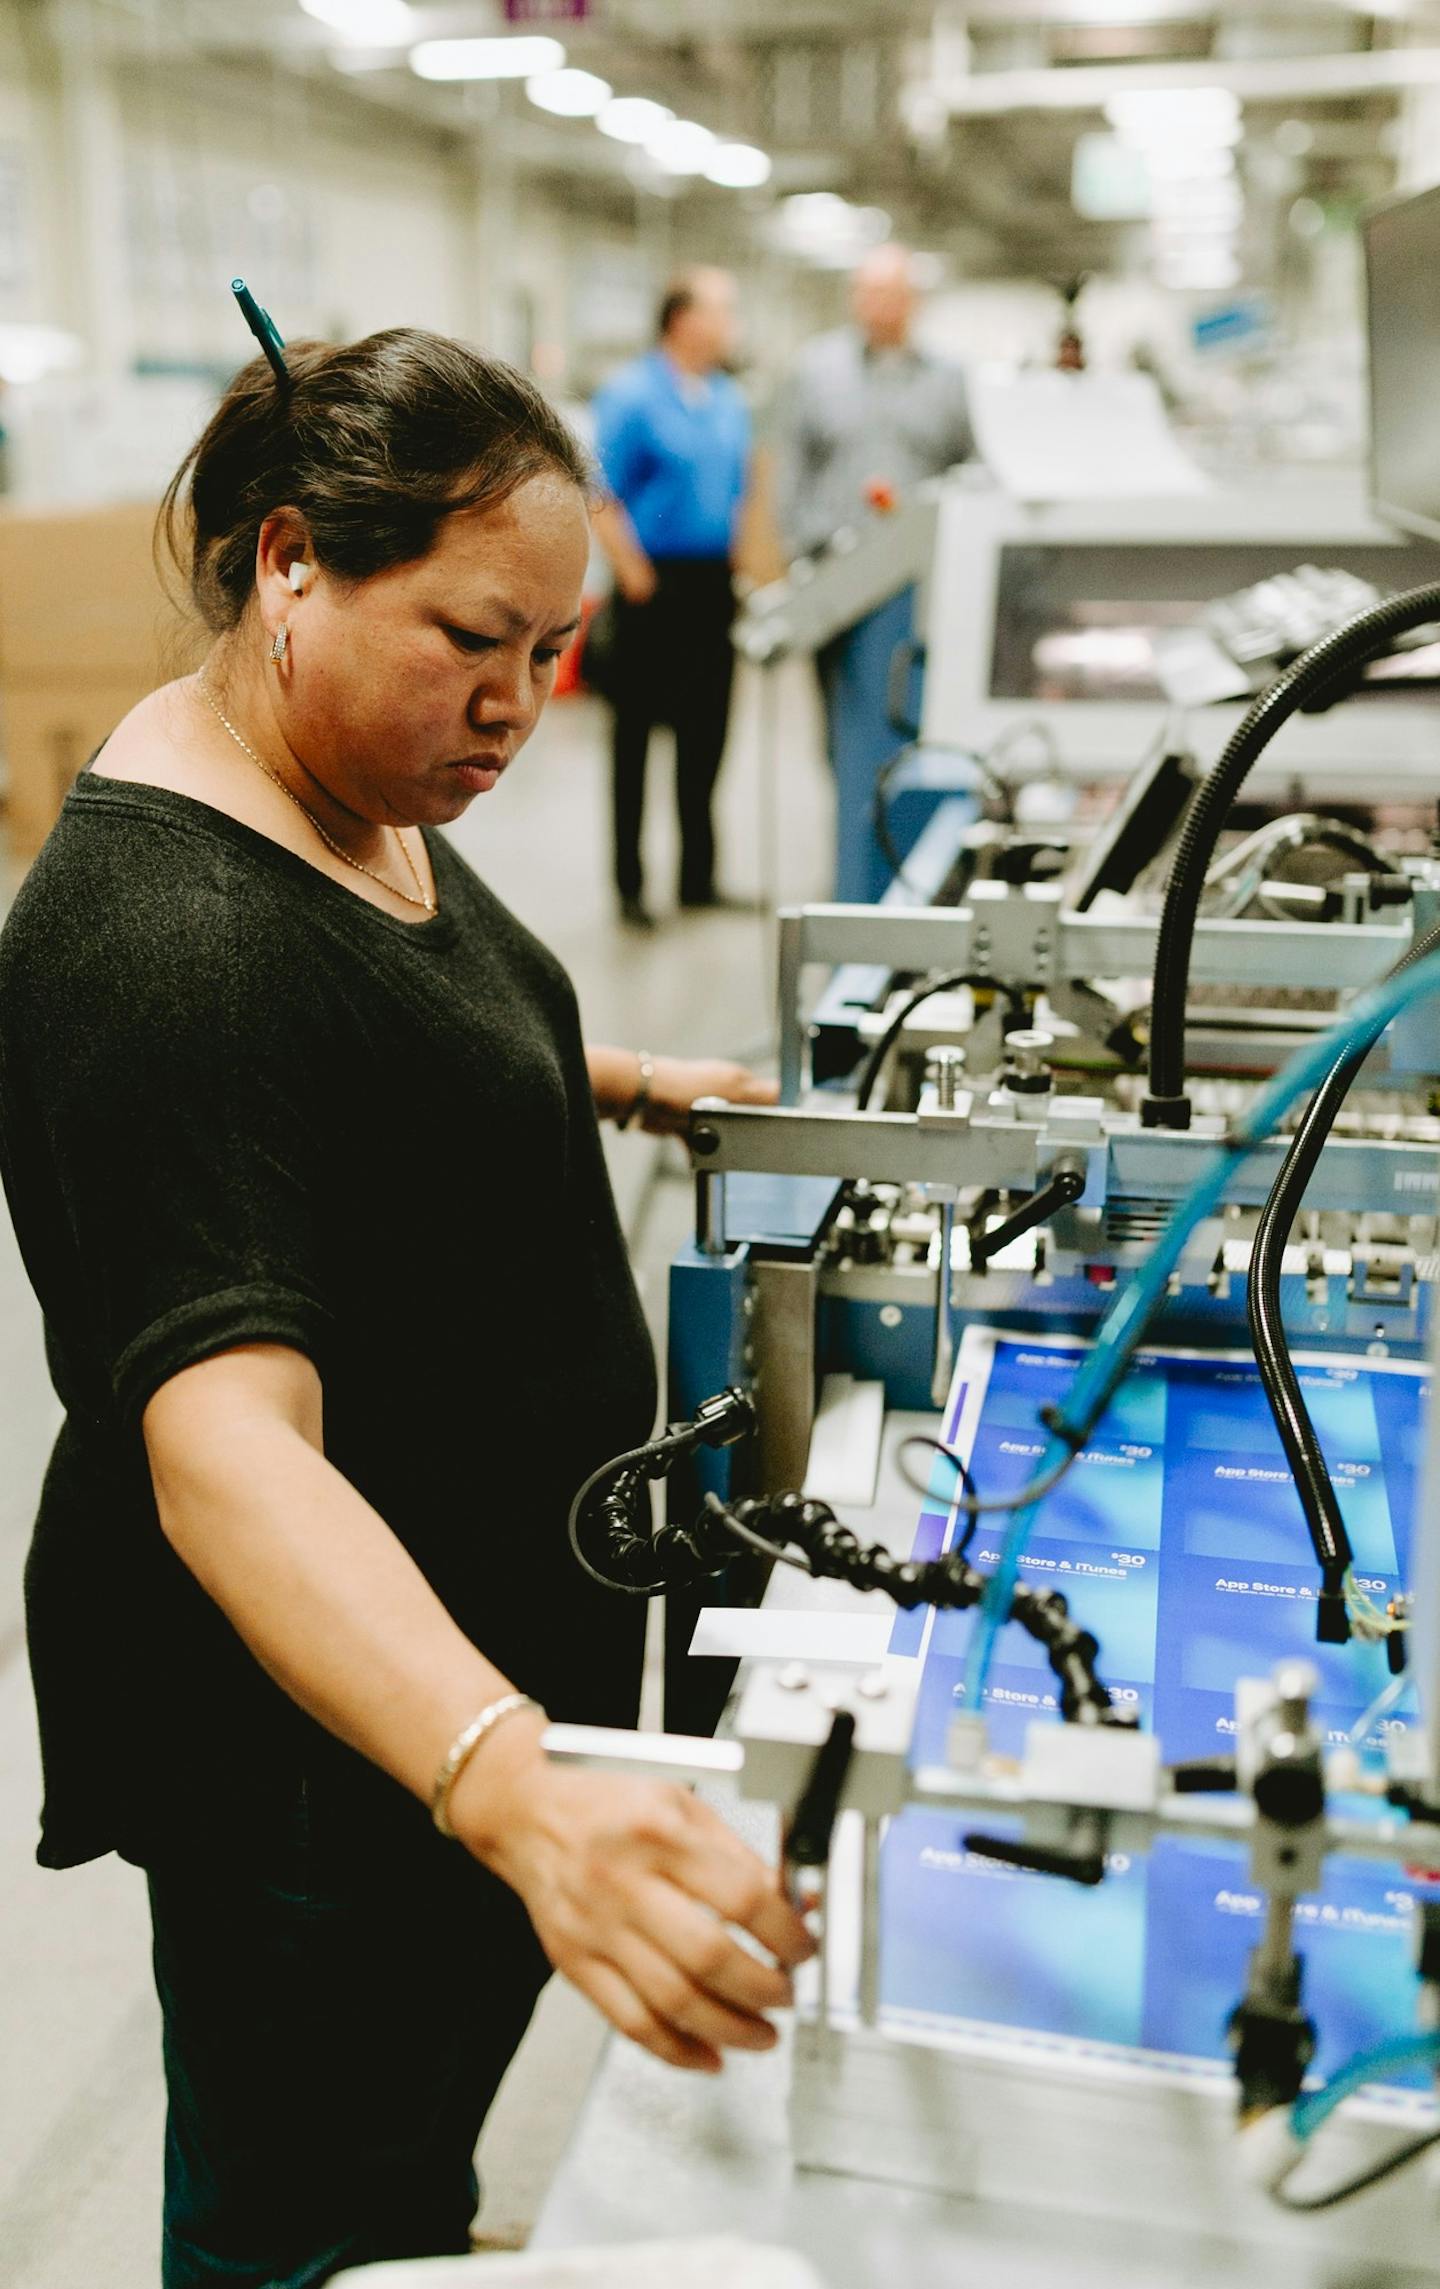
[{"x": 1111, "y": 1224}]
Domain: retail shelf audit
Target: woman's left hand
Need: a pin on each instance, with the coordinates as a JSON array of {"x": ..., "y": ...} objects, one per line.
[{"x": 678, "y": 1081}]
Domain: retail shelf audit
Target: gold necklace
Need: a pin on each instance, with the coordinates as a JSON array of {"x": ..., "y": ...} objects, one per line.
[{"x": 423, "y": 900}]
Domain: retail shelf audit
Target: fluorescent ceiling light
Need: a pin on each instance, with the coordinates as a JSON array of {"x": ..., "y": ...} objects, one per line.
[
  {"x": 1184, "y": 162},
  {"x": 680, "y": 146},
  {"x": 569, "y": 93},
  {"x": 631, "y": 118},
  {"x": 368, "y": 23},
  {"x": 520, "y": 58},
  {"x": 818, "y": 214},
  {"x": 1203, "y": 270},
  {"x": 824, "y": 228},
  {"x": 1196, "y": 202},
  {"x": 738, "y": 166},
  {"x": 1172, "y": 115},
  {"x": 33, "y": 353}
]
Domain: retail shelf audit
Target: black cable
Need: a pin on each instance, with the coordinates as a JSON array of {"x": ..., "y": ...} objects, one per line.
[
  {"x": 880, "y": 820},
  {"x": 1303, "y": 1451},
  {"x": 1305, "y": 831},
  {"x": 1318, "y": 671},
  {"x": 957, "y": 1464},
  {"x": 834, "y": 1552},
  {"x": 720, "y": 1422},
  {"x": 1378, "y": 2172},
  {"x": 870, "y": 1073},
  {"x": 976, "y": 1506},
  {"x": 994, "y": 786},
  {"x": 618, "y": 1508},
  {"x": 676, "y": 1550}
]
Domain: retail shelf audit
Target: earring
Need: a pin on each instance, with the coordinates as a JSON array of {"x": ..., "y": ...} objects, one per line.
[{"x": 282, "y": 638}]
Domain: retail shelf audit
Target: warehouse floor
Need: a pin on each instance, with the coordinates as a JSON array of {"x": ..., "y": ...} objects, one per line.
[{"x": 81, "y": 2101}]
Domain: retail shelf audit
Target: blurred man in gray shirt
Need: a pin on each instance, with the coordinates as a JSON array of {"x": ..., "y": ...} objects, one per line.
[{"x": 864, "y": 415}]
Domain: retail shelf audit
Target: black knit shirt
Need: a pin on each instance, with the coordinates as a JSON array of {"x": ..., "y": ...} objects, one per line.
[{"x": 238, "y": 1103}]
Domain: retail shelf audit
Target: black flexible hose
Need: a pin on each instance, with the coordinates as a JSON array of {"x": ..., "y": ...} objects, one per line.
[
  {"x": 947, "y": 984},
  {"x": 1303, "y": 1450},
  {"x": 996, "y": 791},
  {"x": 834, "y": 1552},
  {"x": 1325, "y": 665}
]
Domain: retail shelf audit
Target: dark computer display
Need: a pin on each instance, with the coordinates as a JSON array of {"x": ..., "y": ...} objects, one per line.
[{"x": 1402, "y": 262}]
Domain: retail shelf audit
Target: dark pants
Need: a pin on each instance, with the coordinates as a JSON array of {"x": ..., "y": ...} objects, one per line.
[
  {"x": 673, "y": 664},
  {"x": 333, "y": 2039}
]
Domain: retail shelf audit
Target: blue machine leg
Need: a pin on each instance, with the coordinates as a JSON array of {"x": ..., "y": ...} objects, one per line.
[{"x": 707, "y": 1353}]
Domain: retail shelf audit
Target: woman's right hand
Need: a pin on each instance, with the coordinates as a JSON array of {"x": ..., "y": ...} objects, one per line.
[{"x": 631, "y": 1885}]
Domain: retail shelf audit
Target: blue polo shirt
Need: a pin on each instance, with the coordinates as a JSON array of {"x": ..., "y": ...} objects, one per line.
[{"x": 674, "y": 451}]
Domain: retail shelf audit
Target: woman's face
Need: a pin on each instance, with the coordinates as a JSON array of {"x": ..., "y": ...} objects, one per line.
[{"x": 408, "y": 694}]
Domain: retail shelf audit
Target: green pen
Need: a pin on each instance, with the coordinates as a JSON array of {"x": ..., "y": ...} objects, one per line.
[{"x": 264, "y": 328}]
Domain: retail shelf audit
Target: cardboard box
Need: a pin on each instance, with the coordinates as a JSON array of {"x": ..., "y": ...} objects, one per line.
[
  {"x": 86, "y": 630},
  {"x": 50, "y": 731},
  {"x": 80, "y": 596}
]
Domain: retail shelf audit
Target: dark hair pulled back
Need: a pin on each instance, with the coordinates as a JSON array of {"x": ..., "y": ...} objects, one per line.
[{"x": 374, "y": 442}]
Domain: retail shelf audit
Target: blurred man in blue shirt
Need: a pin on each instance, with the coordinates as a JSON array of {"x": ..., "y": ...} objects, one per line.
[{"x": 672, "y": 433}]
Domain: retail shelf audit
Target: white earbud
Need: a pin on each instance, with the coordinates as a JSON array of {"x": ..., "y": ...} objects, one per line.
[{"x": 299, "y": 574}]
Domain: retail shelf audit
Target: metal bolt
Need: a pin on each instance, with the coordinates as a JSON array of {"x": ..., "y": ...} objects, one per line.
[
  {"x": 872, "y": 1686},
  {"x": 945, "y": 1066},
  {"x": 793, "y": 1678},
  {"x": 1027, "y": 1050},
  {"x": 704, "y": 1139},
  {"x": 1296, "y": 1684}
]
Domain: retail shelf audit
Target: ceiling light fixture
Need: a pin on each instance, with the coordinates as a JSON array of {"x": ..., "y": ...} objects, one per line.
[
  {"x": 365, "y": 23},
  {"x": 1176, "y": 115},
  {"x": 631, "y": 118},
  {"x": 570, "y": 94},
  {"x": 521, "y": 58},
  {"x": 823, "y": 228},
  {"x": 32, "y": 353},
  {"x": 680, "y": 146},
  {"x": 738, "y": 166},
  {"x": 1203, "y": 270}
]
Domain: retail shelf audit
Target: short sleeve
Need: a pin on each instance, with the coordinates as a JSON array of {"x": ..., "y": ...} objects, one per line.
[
  {"x": 182, "y": 1093},
  {"x": 620, "y": 444}
]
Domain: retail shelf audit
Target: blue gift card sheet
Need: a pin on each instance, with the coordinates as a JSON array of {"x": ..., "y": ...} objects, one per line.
[{"x": 1179, "y": 1540}]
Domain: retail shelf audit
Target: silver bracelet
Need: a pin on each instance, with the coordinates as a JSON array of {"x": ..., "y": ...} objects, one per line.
[
  {"x": 641, "y": 1097},
  {"x": 463, "y": 1747}
]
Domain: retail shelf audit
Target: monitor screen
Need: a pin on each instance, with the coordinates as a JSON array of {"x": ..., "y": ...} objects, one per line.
[{"x": 1402, "y": 262}]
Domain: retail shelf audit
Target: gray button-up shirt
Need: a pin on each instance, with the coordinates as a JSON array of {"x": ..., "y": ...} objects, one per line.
[{"x": 848, "y": 415}]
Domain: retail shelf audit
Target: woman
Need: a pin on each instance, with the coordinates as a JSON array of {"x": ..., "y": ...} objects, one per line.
[{"x": 300, "y": 1140}]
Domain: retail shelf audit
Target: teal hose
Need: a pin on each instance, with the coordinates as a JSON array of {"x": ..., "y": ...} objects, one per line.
[
  {"x": 1313, "y": 2107},
  {"x": 1121, "y": 1331}
]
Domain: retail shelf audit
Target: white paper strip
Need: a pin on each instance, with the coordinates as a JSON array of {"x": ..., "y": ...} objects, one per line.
[{"x": 752, "y": 1632}]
